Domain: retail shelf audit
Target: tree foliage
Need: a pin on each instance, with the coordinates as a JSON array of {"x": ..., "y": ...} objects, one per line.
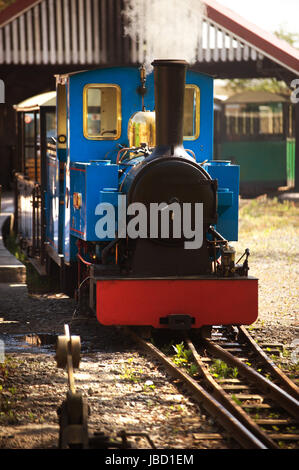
[
  {"x": 272, "y": 85},
  {"x": 291, "y": 38}
]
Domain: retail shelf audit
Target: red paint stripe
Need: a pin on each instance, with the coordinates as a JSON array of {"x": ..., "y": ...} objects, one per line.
[
  {"x": 78, "y": 231},
  {"x": 78, "y": 169},
  {"x": 52, "y": 242}
]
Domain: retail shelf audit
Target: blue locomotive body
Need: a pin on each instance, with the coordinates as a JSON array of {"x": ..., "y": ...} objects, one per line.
[
  {"x": 124, "y": 139},
  {"x": 89, "y": 170}
]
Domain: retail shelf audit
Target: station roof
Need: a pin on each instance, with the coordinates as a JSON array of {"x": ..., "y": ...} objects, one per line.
[
  {"x": 250, "y": 96},
  {"x": 48, "y": 32},
  {"x": 268, "y": 43}
]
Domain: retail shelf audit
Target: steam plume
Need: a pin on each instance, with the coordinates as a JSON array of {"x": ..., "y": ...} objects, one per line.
[{"x": 164, "y": 29}]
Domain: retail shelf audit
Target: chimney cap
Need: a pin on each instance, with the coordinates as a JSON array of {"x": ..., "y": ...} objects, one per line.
[{"x": 169, "y": 62}]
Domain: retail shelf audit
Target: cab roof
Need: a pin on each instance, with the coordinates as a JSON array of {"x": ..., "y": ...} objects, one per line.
[{"x": 35, "y": 102}]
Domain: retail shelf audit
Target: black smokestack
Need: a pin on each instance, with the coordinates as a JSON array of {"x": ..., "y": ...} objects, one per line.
[{"x": 170, "y": 77}]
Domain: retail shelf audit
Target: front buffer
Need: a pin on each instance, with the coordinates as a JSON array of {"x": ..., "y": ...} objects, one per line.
[{"x": 169, "y": 302}]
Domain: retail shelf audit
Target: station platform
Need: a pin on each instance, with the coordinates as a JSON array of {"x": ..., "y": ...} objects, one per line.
[{"x": 11, "y": 269}]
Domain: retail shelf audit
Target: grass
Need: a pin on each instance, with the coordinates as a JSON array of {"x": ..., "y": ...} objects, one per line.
[
  {"x": 35, "y": 282},
  {"x": 183, "y": 358},
  {"x": 7, "y": 392},
  {"x": 270, "y": 229},
  {"x": 266, "y": 213},
  {"x": 221, "y": 370},
  {"x": 12, "y": 245},
  {"x": 130, "y": 373}
]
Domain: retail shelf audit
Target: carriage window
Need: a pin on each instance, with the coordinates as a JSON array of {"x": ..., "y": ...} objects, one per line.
[
  {"x": 30, "y": 128},
  {"x": 51, "y": 126},
  {"x": 191, "y": 112},
  {"x": 102, "y": 112},
  {"x": 244, "y": 120}
]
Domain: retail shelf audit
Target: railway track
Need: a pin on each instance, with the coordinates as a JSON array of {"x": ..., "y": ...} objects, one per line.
[
  {"x": 228, "y": 374},
  {"x": 250, "y": 397}
]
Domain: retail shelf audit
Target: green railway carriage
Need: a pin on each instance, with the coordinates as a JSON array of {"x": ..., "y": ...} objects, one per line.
[{"x": 256, "y": 131}]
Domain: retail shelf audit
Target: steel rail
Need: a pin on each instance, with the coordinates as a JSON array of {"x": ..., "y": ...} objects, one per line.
[
  {"x": 285, "y": 381},
  {"x": 277, "y": 394},
  {"x": 229, "y": 422},
  {"x": 225, "y": 399}
]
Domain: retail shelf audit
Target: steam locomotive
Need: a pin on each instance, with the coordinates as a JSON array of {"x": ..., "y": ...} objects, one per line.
[{"x": 121, "y": 194}]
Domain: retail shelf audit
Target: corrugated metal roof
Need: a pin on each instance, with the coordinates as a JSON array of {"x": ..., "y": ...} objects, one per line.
[
  {"x": 267, "y": 43},
  {"x": 85, "y": 32}
]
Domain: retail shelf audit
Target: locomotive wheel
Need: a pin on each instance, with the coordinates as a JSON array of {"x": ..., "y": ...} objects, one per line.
[{"x": 62, "y": 351}]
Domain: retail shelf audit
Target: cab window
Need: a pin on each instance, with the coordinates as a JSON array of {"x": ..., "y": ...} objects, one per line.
[
  {"x": 192, "y": 112},
  {"x": 102, "y": 112}
]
